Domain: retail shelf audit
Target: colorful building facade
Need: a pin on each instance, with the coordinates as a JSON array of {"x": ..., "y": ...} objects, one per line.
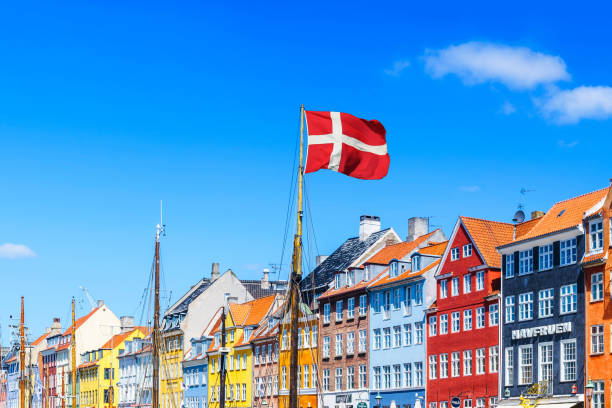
[
  {"x": 134, "y": 385},
  {"x": 265, "y": 372},
  {"x": 195, "y": 373}
]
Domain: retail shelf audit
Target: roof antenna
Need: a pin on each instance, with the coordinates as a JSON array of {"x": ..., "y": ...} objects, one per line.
[{"x": 519, "y": 215}]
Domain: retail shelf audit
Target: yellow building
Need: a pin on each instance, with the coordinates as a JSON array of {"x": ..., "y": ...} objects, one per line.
[
  {"x": 171, "y": 370},
  {"x": 307, "y": 373},
  {"x": 99, "y": 371},
  {"x": 240, "y": 323}
]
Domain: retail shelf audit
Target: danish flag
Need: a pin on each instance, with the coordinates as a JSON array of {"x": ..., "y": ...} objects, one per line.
[{"x": 347, "y": 144}]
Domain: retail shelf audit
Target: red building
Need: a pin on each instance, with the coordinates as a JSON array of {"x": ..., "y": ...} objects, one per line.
[{"x": 463, "y": 324}]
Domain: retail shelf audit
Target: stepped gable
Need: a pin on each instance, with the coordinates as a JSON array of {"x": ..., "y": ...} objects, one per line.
[{"x": 339, "y": 260}]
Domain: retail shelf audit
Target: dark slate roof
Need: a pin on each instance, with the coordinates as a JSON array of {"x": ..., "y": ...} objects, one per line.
[
  {"x": 182, "y": 307},
  {"x": 255, "y": 289},
  {"x": 341, "y": 259}
]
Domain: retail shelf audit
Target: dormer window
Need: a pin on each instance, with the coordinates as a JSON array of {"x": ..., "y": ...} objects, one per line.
[
  {"x": 366, "y": 273},
  {"x": 247, "y": 332},
  {"x": 596, "y": 235},
  {"x": 416, "y": 263},
  {"x": 338, "y": 281},
  {"x": 351, "y": 278},
  {"x": 393, "y": 269}
]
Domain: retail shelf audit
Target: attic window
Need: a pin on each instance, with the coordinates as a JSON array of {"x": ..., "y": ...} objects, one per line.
[
  {"x": 416, "y": 263},
  {"x": 561, "y": 213},
  {"x": 393, "y": 269}
]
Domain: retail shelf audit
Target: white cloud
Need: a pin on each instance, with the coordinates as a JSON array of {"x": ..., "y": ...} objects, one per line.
[
  {"x": 567, "y": 145},
  {"x": 14, "y": 251},
  {"x": 507, "y": 108},
  {"x": 478, "y": 62},
  {"x": 573, "y": 105},
  {"x": 470, "y": 189},
  {"x": 397, "y": 68}
]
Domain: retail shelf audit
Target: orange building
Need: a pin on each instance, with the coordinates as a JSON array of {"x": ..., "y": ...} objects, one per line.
[
  {"x": 597, "y": 266},
  {"x": 308, "y": 331}
]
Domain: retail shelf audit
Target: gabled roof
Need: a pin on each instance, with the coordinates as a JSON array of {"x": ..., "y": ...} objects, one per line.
[
  {"x": 183, "y": 303},
  {"x": 340, "y": 259},
  {"x": 40, "y": 339},
  {"x": 434, "y": 249},
  {"x": 398, "y": 251},
  {"x": 384, "y": 279},
  {"x": 256, "y": 288},
  {"x": 487, "y": 236},
  {"x": 344, "y": 289},
  {"x": 118, "y": 338},
  {"x": 79, "y": 322}
]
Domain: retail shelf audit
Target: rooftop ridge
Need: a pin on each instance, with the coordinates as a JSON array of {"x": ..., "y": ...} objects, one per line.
[{"x": 581, "y": 195}]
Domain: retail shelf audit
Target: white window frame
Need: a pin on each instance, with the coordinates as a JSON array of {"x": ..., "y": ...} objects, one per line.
[
  {"x": 493, "y": 359},
  {"x": 541, "y": 361},
  {"x": 493, "y": 315},
  {"x": 454, "y": 253},
  {"x": 509, "y": 273},
  {"x": 546, "y": 303},
  {"x": 526, "y": 262},
  {"x": 444, "y": 323},
  {"x": 597, "y": 339},
  {"x": 509, "y": 309},
  {"x": 467, "y": 320},
  {"x": 525, "y": 306},
  {"x": 444, "y": 365},
  {"x": 596, "y": 241},
  {"x": 572, "y": 296},
  {"x": 509, "y": 366},
  {"x": 597, "y": 287},
  {"x": 467, "y": 283},
  {"x": 363, "y": 305},
  {"x": 350, "y": 308},
  {"x": 467, "y": 250},
  {"x": 455, "y": 322},
  {"x": 433, "y": 325},
  {"x": 443, "y": 289},
  {"x": 521, "y": 380},
  {"x": 468, "y": 362},
  {"x": 568, "y": 252},
  {"x": 563, "y": 360},
  {"x": 455, "y": 286},
  {"x": 545, "y": 257},
  {"x": 339, "y": 310},
  {"x": 480, "y": 317},
  {"x": 480, "y": 280}
]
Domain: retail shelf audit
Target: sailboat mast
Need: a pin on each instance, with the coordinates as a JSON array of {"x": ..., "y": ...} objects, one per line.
[
  {"x": 155, "y": 353},
  {"x": 22, "y": 359},
  {"x": 296, "y": 276},
  {"x": 222, "y": 367},
  {"x": 73, "y": 357}
]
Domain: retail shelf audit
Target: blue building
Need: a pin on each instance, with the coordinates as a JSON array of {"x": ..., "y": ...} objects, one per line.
[
  {"x": 399, "y": 297},
  {"x": 195, "y": 373},
  {"x": 135, "y": 374}
]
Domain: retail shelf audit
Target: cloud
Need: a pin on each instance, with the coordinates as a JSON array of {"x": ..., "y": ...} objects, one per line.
[
  {"x": 507, "y": 108},
  {"x": 478, "y": 62},
  {"x": 573, "y": 105},
  {"x": 567, "y": 145},
  {"x": 470, "y": 189},
  {"x": 14, "y": 251},
  {"x": 397, "y": 68}
]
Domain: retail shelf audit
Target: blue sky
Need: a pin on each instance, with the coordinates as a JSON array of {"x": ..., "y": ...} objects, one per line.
[{"x": 107, "y": 108}]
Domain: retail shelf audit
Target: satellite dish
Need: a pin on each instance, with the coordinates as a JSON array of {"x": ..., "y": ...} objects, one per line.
[{"x": 519, "y": 216}]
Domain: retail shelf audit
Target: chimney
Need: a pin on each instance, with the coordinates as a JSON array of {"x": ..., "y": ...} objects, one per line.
[
  {"x": 417, "y": 226},
  {"x": 320, "y": 259},
  {"x": 127, "y": 323},
  {"x": 56, "y": 327},
  {"x": 214, "y": 274},
  {"x": 536, "y": 214},
  {"x": 265, "y": 280},
  {"x": 368, "y": 224},
  {"x": 100, "y": 303}
]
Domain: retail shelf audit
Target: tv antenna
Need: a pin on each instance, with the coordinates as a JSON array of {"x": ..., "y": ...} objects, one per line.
[{"x": 519, "y": 215}]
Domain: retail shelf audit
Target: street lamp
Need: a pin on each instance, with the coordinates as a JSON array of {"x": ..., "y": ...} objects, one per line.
[
  {"x": 507, "y": 393},
  {"x": 589, "y": 392},
  {"x": 378, "y": 399}
]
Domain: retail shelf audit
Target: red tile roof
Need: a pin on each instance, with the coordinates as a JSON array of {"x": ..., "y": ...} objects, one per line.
[
  {"x": 487, "y": 236},
  {"x": 118, "y": 338},
  {"x": 398, "y": 251},
  {"x": 79, "y": 322},
  {"x": 40, "y": 339},
  {"x": 384, "y": 278},
  {"x": 434, "y": 248}
]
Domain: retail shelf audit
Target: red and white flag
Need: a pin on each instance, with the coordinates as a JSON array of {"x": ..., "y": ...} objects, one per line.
[{"x": 347, "y": 144}]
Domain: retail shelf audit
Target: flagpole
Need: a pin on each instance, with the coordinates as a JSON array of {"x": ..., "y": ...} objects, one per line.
[{"x": 296, "y": 276}]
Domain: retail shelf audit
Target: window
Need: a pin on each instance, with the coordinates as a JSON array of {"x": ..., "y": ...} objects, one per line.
[
  {"x": 493, "y": 315},
  {"x": 418, "y": 370},
  {"x": 509, "y": 365},
  {"x": 455, "y": 327},
  {"x": 433, "y": 325},
  {"x": 350, "y": 308},
  {"x": 433, "y": 367},
  {"x": 598, "y": 395},
  {"x": 444, "y": 365},
  {"x": 393, "y": 269},
  {"x": 480, "y": 361},
  {"x": 326, "y": 347},
  {"x": 510, "y": 311},
  {"x": 350, "y": 378},
  {"x": 568, "y": 251},
  {"x": 454, "y": 254},
  {"x": 315, "y": 381},
  {"x": 525, "y": 365},
  {"x": 325, "y": 315},
  {"x": 467, "y": 283},
  {"x": 407, "y": 334},
  {"x": 338, "y": 379},
  {"x": 568, "y": 299},
  {"x": 443, "y": 289},
  {"x": 597, "y": 339},
  {"x": 480, "y": 317},
  {"x": 337, "y": 281},
  {"x": 568, "y": 360},
  {"x": 546, "y": 302},
  {"x": 339, "y": 311},
  {"x": 546, "y": 257},
  {"x": 467, "y": 362},
  {"x": 480, "y": 403},
  {"x": 416, "y": 263},
  {"x": 362, "y": 341},
  {"x": 350, "y": 343},
  {"x": 596, "y": 236},
  {"x": 377, "y": 382},
  {"x": 363, "y": 375},
  {"x": 408, "y": 300},
  {"x": 455, "y": 286},
  {"x": 284, "y": 377},
  {"x": 455, "y": 364},
  {"x": 493, "y": 359},
  {"x": 339, "y": 345},
  {"x": 363, "y": 304},
  {"x": 467, "y": 403},
  {"x": 467, "y": 319},
  {"x": 418, "y": 294},
  {"x": 387, "y": 377},
  {"x": 407, "y": 375},
  {"x": 480, "y": 280},
  {"x": 387, "y": 337},
  {"x": 325, "y": 379},
  {"x": 526, "y": 262},
  {"x": 418, "y": 331},
  {"x": 467, "y": 250},
  {"x": 525, "y": 306},
  {"x": 397, "y": 336},
  {"x": 597, "y": 286},
  {"x": 545, "y": 362},
  {"x": 510, "y": 266},
  {"x": 377, "y": 339},
  {"x": 397, "y": 298},
  {"x": 397, "y": 376},
  {"x": 444, "y": 324}
]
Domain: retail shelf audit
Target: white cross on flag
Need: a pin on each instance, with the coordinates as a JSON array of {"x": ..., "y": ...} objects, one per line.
[{"x": 347, "y": 144}]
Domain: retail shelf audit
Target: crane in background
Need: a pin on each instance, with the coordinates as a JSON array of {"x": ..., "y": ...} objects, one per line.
[{"x": 89, "y": 298}]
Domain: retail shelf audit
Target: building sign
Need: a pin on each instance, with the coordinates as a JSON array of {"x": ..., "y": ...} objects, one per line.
[
  {"x": 542, "y": 331},
  {"x": 455, "y": 402}
]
